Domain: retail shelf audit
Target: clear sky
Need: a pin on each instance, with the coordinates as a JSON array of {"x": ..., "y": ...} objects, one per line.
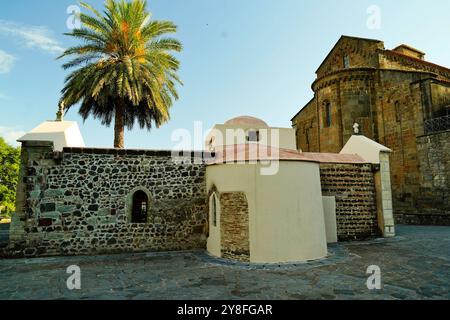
[{"x": 252, "y": 57}]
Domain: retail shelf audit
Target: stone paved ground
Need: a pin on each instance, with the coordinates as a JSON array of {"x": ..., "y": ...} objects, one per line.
[{"x": 414, "y": 265}]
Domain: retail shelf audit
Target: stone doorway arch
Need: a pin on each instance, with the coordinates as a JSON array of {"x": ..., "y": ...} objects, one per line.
[{"x": 138, "y": 205}]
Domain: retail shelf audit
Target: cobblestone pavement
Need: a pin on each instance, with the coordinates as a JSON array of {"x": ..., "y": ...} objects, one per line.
[{"x": 414, "y": 265}]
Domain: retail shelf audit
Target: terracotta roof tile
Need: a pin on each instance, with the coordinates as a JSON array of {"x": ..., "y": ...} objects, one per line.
[
  {"x": 424, "y": 62},
  {"x": 334, "y": 157},
  {"x": 257, "y": 152}
]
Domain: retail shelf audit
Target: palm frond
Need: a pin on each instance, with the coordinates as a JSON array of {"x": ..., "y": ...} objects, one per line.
[{"x": 125, "y": 57}]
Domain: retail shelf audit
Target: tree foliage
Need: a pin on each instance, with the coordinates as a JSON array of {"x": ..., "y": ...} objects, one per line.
[
  {"x": 9, "y": 174},
  {"x": 124, "y": 67}
]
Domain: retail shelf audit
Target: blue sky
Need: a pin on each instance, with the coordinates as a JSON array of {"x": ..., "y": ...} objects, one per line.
[{"x": 253, "y": 57}]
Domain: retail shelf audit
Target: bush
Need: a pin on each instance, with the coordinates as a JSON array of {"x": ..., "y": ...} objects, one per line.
[{"x": 9, "y": 175}]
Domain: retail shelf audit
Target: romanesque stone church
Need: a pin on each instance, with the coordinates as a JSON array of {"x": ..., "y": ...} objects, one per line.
[
  {"x": 399, "y": 100},
  {"x": 377, "y": 116}
]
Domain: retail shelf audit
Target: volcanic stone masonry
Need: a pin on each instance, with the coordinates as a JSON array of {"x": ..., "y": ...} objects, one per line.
[
  {"x": 79, "y": 201},
  {"x": 354, "y": 188},
  {"x": 434, "y": 160},
  {"x": 234, "y": 226}
]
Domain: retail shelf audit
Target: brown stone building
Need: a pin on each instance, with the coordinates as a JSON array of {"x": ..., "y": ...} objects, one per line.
[{"x": 400, "y": 100}]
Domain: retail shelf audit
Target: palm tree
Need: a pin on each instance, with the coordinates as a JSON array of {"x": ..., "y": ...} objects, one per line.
[{"x": 125, "y": 67}]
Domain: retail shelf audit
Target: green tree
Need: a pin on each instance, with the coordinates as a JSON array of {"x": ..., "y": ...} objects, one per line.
[
  {"x": 125, "y": 67},
  {"x": 9, "y": 175}
]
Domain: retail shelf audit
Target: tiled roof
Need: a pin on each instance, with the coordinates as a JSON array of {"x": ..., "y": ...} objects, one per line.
[
  {"x": 247, "y": 121},
  {"x": 423, "y": 62},
  {"x": 334, "y": 157},
  {"x": 257, "y": 152}
]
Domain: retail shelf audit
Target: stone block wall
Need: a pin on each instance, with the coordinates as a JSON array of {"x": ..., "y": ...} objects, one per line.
[
  {"x": 361, "y": 53},
  {"x": 353, "y": 186},
  {"x": 390, "y": 97},
  {"x": 389, "y": 59},
  {"x": 350, "y": 95},
  {"x": 400, "y": 121},
  {"x": 75, "y": 202},
  {"x": 79, "y": 202},
  {"x": 234, "y": 224},
  {"x": 433, "y": 202},
  {"x": 330, "y": 139},
  {"x": 307, "y": 127},
  {"x": 440, "y": 98}
]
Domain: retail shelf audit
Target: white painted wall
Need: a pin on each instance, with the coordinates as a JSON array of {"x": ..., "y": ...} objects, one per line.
[
  {"x": 274, "y": 137},
  {"x": 288, "y": 224},
  {"x": 229, "y": 178},
  {"x": 62, "y": 133},
  {"x": 366, "y": 148},
  {"x": 286, "y": 220}
]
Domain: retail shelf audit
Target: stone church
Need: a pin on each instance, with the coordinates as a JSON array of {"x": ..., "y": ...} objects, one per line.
[
  {"x": 378, "y": 122},
  {"x": 399, "y": 100},
  {"x": 251, "y": 197}
]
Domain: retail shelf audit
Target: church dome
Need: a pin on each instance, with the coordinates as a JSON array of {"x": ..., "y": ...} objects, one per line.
[{"x": 247, "y": 121}]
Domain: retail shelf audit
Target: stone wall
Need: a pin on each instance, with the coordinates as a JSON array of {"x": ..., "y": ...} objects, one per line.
[
  {"x": 440, "y": 99},
  {"x": 390, "y": 100},
  {"x": 360, "y": 53},
  {"x": 350, "y": 96},
  {"x": 353, "y": 186},
  {"x": 433, "y": 202},
  {"x": 400, "y": 121},
  {"x": 307, "y": 127},
  {"x": 234, "y": 226},
  {"x": 77, "y": 202},
  {"x": 389, "y": 59}
]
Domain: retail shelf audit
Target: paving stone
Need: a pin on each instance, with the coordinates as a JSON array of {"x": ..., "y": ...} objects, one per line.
[{"x": 414, "y": 265}]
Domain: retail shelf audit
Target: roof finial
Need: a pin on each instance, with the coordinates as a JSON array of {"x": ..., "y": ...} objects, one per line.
[
  {"x": 356, "y": 128},
  {"x": 60, "y": 113}
]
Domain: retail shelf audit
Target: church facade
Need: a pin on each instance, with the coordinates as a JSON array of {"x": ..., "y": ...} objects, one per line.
[{"x": 398, "y": 99}]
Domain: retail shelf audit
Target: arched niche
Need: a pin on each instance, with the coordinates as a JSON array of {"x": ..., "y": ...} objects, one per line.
[{"x": 138, "y": 205}]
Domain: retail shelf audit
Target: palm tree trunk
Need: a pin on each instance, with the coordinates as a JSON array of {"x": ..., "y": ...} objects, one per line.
[{"x": 119, "y": 126}]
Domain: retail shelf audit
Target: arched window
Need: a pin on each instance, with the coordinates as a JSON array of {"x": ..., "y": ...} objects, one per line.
[
  {"x": 213, "y": 209},
  {"x": 139, "y": 211},
  {"x": 398, "y": 115},
  {"x": 346, "y": 62},
  {"x": 327, "y": 114}
]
